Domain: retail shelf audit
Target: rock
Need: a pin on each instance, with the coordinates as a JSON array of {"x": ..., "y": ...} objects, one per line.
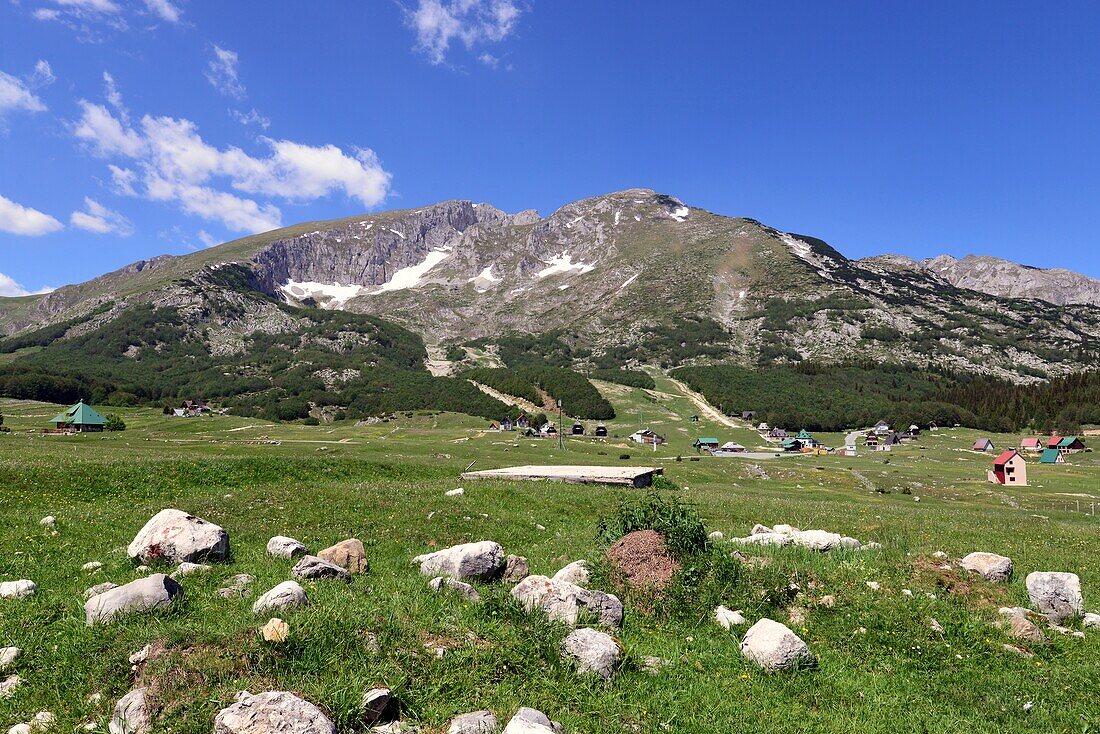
[
  {"x": 797, "y": 616},
  {"x": 186, "y": 569},
  {"x": 1067, "y": 631},
  {"x": 936, "y": 626},
  {"x": 287, "y": 595},
  {"x": 238, "y": 586},
  {"x": 91, "y": 566},
  {"x": 23, "y": 728},
  {"x": 144, "y": 595},
  {"x": 773, "y": 646},
  {"x": 562, "y": 601},
  {"x": 727, "y": 618},
  {"x": 173, "y": 536},
  {"x": 592, "y": 651},
  {"x": 475, "y": 722},
  {"x": 827, "y": 601},
  {"x": 455, "y": 492},
  {"x": 276, "y": 630},
  {"x": 1057, "y": 595},
  {"x": 283, "y": 547},
  {"x": 8, "y": 656},
  {"x": 141, "y": 655},
  {"x": 871, "y": 545},
  {"x": 575, "y": 573},
  {"x": 43, "y": 720},
  {"x": 99, "y": 589},
  {"x": 312, "y": 567},
  {"x": 348, "y": 554},
  {"x": 17, "y": 589},
  {"x": 783, "y": 528},
  {"x": 529, "y": 721},
  {"x": 653, "y": 664},
  {"x": 515, "y": 569},
  {"x": 272, "y": 712},
  {"x": 1020, "y": 627},
  {"x": 9, "y": 685},
  {"x": 1092, "y": 621},
  {"x": 482, "y": 561},
  {"x": 991, "y": 566},
  {"x": 873, "y": 585},
  {"x": 716, "y": 536},
  {"x": 376, "y": 705},
  {"x": 818, "y": 540},
  {"x": 439, "y": 583},
  {"x": 131, "y": 714},
  {"x": 759, "y": 529},
  {"x": 48, "y": 521}
]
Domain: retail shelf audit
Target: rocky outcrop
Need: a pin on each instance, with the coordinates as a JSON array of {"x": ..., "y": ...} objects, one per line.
[
  {"x": 1057, "y": 595},
  {"x": 592, "y": 652},
  {"x": 564, "y": 602},
  {"x": 272, "y": 712},
  {"x": 990, "y": 566}
]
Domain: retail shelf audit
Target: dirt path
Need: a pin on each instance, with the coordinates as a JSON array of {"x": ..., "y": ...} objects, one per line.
[
  {"x": 526, "y": 405},
  {"x": 704, "y": 407}
]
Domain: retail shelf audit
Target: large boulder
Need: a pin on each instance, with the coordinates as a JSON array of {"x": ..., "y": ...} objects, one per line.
[
  {"x": 562, "y": 601},
  {"x": 482, "y": 561},
  {"x": 272, "y": 712},
  {"x": 312, "y": 567},
  {"x": 592, "y": 651},
  {"x": 773, "y": 646},
  {"x": 287, "y": 595},
  {"x": 1019, "y": 626},
  {"x": 17, "y": 589},
  {"x": 990, "y": 566},
  {"x": 377, "y": 704},
  {"x": 173, "y": 536},
  {"x": 1057, "y": 595},
  {"x": 349, "y": 554},
  {"x": 99, "y": 589},
  {"x": 575, "y": 573},
  {"x": 475, "y": 722},
  {"x": 144, "y": 595},
  {"x": 131, "y": 714},
  {"x": 530, "y": 721},
  {"x": 283, "y": 547}
]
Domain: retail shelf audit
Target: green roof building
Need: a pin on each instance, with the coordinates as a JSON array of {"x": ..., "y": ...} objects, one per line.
[
  {"x": 81, "y": 417},
  {"x": 1052, "y": 456}
]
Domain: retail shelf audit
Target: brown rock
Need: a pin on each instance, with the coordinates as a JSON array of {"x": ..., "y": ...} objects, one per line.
[
  {"x": 276, "y": 630},
  {"x": 515, "y": 569},
  {"x": 641, "y": 559},
  {"x": 349, "y": 554}
]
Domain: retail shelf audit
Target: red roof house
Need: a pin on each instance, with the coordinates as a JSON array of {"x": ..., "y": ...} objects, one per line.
[
  {"x": 1031, "y": 444},
  {"x": 1009, "y": 469}
]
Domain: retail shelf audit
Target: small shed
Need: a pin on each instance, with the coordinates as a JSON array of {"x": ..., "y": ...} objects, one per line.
[
  {"x": 647, "y": 437},
  {"x": 506, "y": 424},
  {"x": 601, "y": 429},
  {"x": 763, "y": 428},
  {"x": 578, "y": 429},
  {"x": 983, "y": 444},
  {"x": 748, "y": 415},
  {"x": 791, "y": 445},
  {"x": 1031, "y": 444},
  {"x": 705, "y": 443},
  {"x": 79, "y": 418},
  {"x": 1052, "y": 456},
  {"x": 522, "y": 421},
  {"x": 494, "y": 426},
  {"x": 731, "y": 447},
  {"x": 1009, "y": 469}
]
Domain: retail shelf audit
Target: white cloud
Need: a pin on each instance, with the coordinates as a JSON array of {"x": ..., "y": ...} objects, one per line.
[
  {"x": 207, "y": 239},
  {"x": 93, "y": 6},
  {"x": 14, "y": 95},
  {"x": 163, "y": 9},
  {"x": 46, "y": 14},
  {"x": 9, "y": 288},
  {"x": 100, "y": 220},
  {"x": 106, "y": 134},
  {"x": 42, "y": 75},
  {"x": 22, "y": 220},
  {"x": 114, "y": 97},
  {"x": 438, "y": 23},
  {"x": 222, "y": 73},
  {"x": 85, "y": 17},
  {"x": 251, "y": 118}
]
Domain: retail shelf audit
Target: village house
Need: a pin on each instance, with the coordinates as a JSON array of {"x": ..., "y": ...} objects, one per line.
[
  {"x": 777, "y": 434},
  {"x": 522, "y": 422},
  {"x": 601, "y": 430},
  {"x": 506, "y": 424},
  {"x": 705, "y": 443},
  {"x": 763, "y": 428},
  {"x": 1009, "y": 469},
  {"x": 807, "y": 439},
  {"x": 647, "y": 437},
  {"x": 80, "y": 418},
  {"x": 791, "y": 445},
  {"x": 728, "y": 448},
  {"x": 748, "y": 415},
  {"x": 933, "y": 427},
  {"x": 1052, "y": 456},
  {"x": 548, "y": 429},
  {"x": 983, "y": 444},
  {"x": 578, "y": 429},
  {"x": 494, "y": 426},
  {"x": 1031, "y": 444},
  {"x": 881, "y": 428},
  {"x": 1069, "y": 445}
]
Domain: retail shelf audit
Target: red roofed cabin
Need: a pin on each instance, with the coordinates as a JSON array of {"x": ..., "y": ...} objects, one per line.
[{"x": 1009, "y": 469}]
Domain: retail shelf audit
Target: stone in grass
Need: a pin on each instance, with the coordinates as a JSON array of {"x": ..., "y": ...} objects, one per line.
[
  {"x": 91, "y": 566},
  {"x": 237, "y": 587},
  {"x": 1092, "y": 621},
  {"x": 575, "y": 573},
  {"x": 774, "y": 647},
  {"x": 439, "y": 583},
  {"x": 9, "y": 685},
  {"x": 283, "y": 547},
  {"x": 144, "y": 595},
  {"x": 8, "y": 656},
  {"x": 1020, "y": 627},
  {"x": 515, "y": 569},
  {"x": 1057, "y": 595},
  {"x": 275, "y": 631},
  {"x": 530, "y": 721},
  {"x": 20, "y": 589},
  {"x": 483, "y": 561},
  {"x": 131, "y": 714},
  {"x": 348, "y": 554},
  {"x": 592, "y": 651},
  {"x": 272, "y": 712},
  {"x": 377, "y": 705},
  {"x": 563, "y": 602},
  {"x": 99, "y": 589},
  {"x": 475, "y": 722},
  {"x": 186, "y": 569},
  {"x": 728, "y": 618},
  {"x": 990, "y": 566},
  {"x": 312, "y": 567},
  {"x": 174, "y": 536},
  {"x": 287, "y": 595},
  {"x": 48, "y": 521}
]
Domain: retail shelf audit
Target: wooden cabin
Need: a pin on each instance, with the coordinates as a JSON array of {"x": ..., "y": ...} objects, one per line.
[
  {"x": 705, "y": 443},
  {"x": 578, "y": 429},
  {"x": 983, "y": 444},
  {"x": 1052, "y": 456},
  {"x": 601, "y": 430},
  {"x": 1031, "y": 444},
  {"x": 647, "y": 437}
]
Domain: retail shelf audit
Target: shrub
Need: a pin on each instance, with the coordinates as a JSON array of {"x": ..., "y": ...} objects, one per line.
[
  {"x": 677, "y": 521},
  {"x": 114, "y": 423}
]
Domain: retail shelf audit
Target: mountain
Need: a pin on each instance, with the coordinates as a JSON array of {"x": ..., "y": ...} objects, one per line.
[
  {"x": 1005, "y": 278},
  {"x": 634, "y": 277}
]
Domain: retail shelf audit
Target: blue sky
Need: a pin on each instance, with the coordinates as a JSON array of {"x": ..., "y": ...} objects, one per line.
[{"x": 131, "y": 128}]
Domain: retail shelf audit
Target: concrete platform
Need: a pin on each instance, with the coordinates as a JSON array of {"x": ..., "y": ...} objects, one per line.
[{"x": 631, "y": 476}]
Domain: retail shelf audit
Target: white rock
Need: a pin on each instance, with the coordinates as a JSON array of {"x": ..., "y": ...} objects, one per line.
[
  {"x": 144, "y": 595},
  {"x": 283, "y": 547},
  {"x": 455, "y": 492},
  {"x": 186, "y": 569},
  {"x": 1092, "y": 621},
  {"x": 23, "y": 728},
  {"x": 936, "y": 626},
  {"x": 375, "y": 704},
  {"x": 1057, "y": 595},
  {"x": 99, "y": 589},
  {"x": 8, "y": 656},
  {"x": 784, "y": 528},
  {"x": 9, "y": 685},
  {"x": 991, "y": 566},
  {"x": 313, "y": 567},
  {"x": 592, "y": 651},
  {"x": 483, "y": 561},
  {"x": 475, "y": 722},
  {"x": 272, "y": 712},
  {"x": 439, "y": 583},
  {"x": 873, "y": 585},
  {"x": 774, "y": 647},
  {"x": 17, "y": 589},
  {"x": 759, "y": 529},
  {"x": 728, "y": 618},
  {"x": 48, "y": 521},
  {"x": 818, "y": 540},
  {"x": 575, "y": 573},
  {"x": 173, "y": 536},
  {"x": 716, "y": 535},
  {"x": 562, "y": 601},
  {"x": 141, "y": 655},
  {"x": 529, "y": 721},
  {"x": 131, "y": 715},
  {"x": 287, "y": 595},
  {"x": 91, "y": 566}
]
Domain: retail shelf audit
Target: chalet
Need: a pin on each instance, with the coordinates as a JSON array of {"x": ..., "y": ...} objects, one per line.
[
  {"x": 705, "y": 443},
  {"x": 729, "y": 447},
  {"x": 647, "y": 437},
  {"x": 1031, "y": 444},
  {"x": 195, "y": 407},
  {"x": 806, "y": 438},
  {"x": 777, "y": 434},
  {"x": 522, "y": 422},
  {"x": 908, "y": 436},
  {"x": 914, "y": 430},
  {"x": 871, "y": 440},
  {"x": 890, "y": 439},
  {"x": 494, "y": 426},
  {"x": 881, "y": 428},
  {"x": 763, "y": 428},
  {"x": 933, "y": 427},
  {"x": 578, "y": 429},
  {"x": 1052, "y": 456},
  {"x": 506, "y": 424},
  {"x": 748, "y": 415},
  {"x": 80, "y": 418},
  {"x": 791, "y": 445},
  {"x": 601, "y": 430},
  {"x": 548, "y": 429},
  {"x": 1052, "y": 442},
  {"x": 1070, "y": 445},
  {"x": 983, "y": 444},
  {"x": 1010, "y": 469}
]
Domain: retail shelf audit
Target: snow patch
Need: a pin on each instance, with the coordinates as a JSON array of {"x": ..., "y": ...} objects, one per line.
[
  {"x": 397, "y": 233},
  {"x": 617, "y": 215},
  {"x": 629, "y": 280},
  {"x": 563, "y": 263},
  {"x": 328, "y": 295},
  {"x": 680, "y": 213},
  {"x": 486, "y": 274},
  {"x": 410, "y": 276}
]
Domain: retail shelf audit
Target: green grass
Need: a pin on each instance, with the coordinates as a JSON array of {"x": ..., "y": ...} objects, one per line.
[{"x": 384, "y": 484}]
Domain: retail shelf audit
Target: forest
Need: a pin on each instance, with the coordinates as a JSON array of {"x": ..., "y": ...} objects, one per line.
[{"x": 578, "y": 396}]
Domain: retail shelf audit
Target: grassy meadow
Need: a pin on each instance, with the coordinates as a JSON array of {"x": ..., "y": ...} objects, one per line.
[{"x": 881, "y": 667}]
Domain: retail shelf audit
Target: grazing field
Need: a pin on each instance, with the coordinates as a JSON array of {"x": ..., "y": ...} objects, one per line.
[{"x": 880, "y": 665}]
